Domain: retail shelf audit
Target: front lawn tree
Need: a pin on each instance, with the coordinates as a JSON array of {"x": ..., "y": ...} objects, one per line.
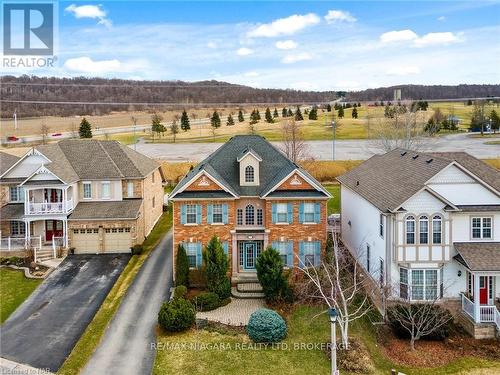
[
  {"x": 156, "y": 125},
  {"x": 313, "y": 114},
  {"x": 241, "y": 118},
  {"x": 174, "y": 129},
  {"x": 216, "y": 266},
  {"x": 85, "y": 130},
  {"x": 269, "y": 116},
  {"x": 298, "y": 115},
  {"x": 181, "y": 267},
  {"x": 185, "y": 121},
  {"x": 270, "y": 274}
]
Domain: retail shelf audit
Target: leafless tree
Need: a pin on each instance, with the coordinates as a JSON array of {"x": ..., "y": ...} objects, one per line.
[
  {"x": 44, "y": 132},
  {"x": 338, "y": 282},
  {"x": 293, "y": 145},
  {"x": 174, "y": 128}
]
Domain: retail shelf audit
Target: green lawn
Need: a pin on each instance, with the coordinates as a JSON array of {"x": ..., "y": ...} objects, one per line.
[
  {"x": 221, "y": 353},
  {"x": 333, "y": 203},
  {"x": 95, "y": 330},
  {"x": 14, "y": 289}
]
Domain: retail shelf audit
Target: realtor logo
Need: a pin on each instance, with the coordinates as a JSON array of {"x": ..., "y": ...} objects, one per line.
[{"x": 28, "y": 28}]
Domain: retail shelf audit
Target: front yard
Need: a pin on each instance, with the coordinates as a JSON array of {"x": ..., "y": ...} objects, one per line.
[
  {"x": 14, "y": 289},
  {"x": 218, "y": 351}
]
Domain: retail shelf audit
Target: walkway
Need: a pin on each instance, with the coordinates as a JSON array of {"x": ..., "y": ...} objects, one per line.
[{"x": 236, "y": 313}]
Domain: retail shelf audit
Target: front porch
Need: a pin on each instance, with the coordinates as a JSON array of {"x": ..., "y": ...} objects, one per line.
[{"x": 246, "y": 248}]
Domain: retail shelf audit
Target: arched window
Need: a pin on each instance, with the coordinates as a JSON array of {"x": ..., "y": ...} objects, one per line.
[
  {"x": 249, "y": 173},
  {"x": 410, "y": 230},
  {"x": 423, "y": 229},
  {"x": 437, "y": 229},
  {"x": 249, "y": 215}
]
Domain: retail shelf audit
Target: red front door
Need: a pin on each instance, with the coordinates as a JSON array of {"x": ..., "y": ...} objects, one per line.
[
  {"x": 53, "y": 228},
  {"x": 483, "y": 290}
]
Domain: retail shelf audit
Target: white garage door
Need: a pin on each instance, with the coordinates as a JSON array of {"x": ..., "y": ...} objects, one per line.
[
  {"x": 85, "y": 241},
  {"x": 117, "y": 240}
]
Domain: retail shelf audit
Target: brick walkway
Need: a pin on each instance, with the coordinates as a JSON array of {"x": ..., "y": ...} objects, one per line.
[{"x": 236, "y": 313}]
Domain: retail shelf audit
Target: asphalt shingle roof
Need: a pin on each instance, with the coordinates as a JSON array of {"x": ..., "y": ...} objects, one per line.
[
  {"x": 479, "y": 256},
  {"x": 126, "y": 209},
  {"x": 6, "y": 161},
  {"x": 12, "y": 211}
]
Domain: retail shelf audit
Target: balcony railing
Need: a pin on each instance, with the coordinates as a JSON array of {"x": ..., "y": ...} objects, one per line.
[
  {"x": 49, "y": 207},
  {"x": 487, "y": 313}
]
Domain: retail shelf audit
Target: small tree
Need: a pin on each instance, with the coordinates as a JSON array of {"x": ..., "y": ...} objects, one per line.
[
  {"x": 215, "y": 120},
  {"x": 230, "y": 121},
  {"x": 85, "y": 130},
  {"x": 270, "y": 273},
  {"x": 354, "y": 112},
  {"x": 216, "y": 266},
  {"x": 275, "y": 113},
  {"x": 181, "y": 267},
  {"x": 313, "y": 114},
  {"x": 328, "y": 107},
  {"x": 254, "y": 117},
  {"x": 293, "y": 145},
  {"x": 298, "y": 115},
  {"x": 174, "y": 129},
  {"x": 290, "y": 113},
  {"x": 257, "y": 114},
  {"x": 185, "y": 121},
  {"x": 44, "y": 132},
  {"x": 284, "y": 112},
  {"x": 269, "y": 116},
  {"x": 156, "y": 125},
  {"x": 495, "y": 121},
  {"x": 341, "y": 112},
  {"x": 241, "y": 118}
]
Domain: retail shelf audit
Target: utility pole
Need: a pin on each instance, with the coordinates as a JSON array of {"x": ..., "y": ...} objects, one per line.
[
  {"x": 134, "y": 120},
  {"x": 333, "y": 143},
  {"x": 15, "y": 119}
]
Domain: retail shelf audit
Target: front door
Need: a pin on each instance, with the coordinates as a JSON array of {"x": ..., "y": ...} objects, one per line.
[
  {"x": 250, "y": 255},
  {"x": 53, "y": 228},
  {"x": 53, "y": 195},
  {"x": 483, "y": 290}
]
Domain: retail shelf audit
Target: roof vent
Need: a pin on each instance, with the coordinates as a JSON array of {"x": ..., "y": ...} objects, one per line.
[
  {"x": 414, "y": 157},
  {"x": 403, "y": 153},
  {"x": 429, "y": 161},
  {"x": 357, "y": 183}
]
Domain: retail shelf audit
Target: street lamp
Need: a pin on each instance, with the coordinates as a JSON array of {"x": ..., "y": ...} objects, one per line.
[
  {"x": 333, "y": 145},
  {"x": 332, "y": 312}
]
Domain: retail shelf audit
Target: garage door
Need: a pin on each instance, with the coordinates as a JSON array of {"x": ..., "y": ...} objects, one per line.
[
  {"x": 117, "y": 240},
  {"x": 85, "y": 241}
]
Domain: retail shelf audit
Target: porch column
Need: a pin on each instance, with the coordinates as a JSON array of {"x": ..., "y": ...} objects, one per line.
[
  {"x": 65, "y": 232},
  {"x": 27, "y": 233},
  {"x": 477, "y": 313},
  {"x": 26, "y": 201},
  {"x": 234, "y": 255},
  {"x": 63, "y": 198}
]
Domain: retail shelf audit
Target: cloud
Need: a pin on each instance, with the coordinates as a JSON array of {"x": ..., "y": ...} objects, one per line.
[
  {"x": 243, "y": 51},
  {"x": 212, "y": 45},
  {"x": 290, "y": 59},
  {"x": 284, "y": 26},
  {"x": 433, "y": 39},
  {"x": 87, "y": 65},
  {"x": 442, "y": 18},
  {"x": 339, "y": 16},
  {"x": 251, "y": 74},
  {"x": 398, "y": 36},
  {"x": 286, "y": 44},
  {"x": 403, "y": 70},
  {"x": 89, "y": 11}
]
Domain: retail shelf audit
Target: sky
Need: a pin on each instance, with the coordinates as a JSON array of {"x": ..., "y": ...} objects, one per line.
[{"x": 307, "y": 45}]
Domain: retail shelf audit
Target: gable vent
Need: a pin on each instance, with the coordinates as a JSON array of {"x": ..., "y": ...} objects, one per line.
[
  {"x": 429, "y": 161},
  {"x": 414, "y": 157},
  {"x": 403, "y": 153}
]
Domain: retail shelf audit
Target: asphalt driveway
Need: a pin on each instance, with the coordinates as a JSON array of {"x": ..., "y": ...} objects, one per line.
[
  {"x": 126, "y": 347},
  {"x": 45, "y": 328}
]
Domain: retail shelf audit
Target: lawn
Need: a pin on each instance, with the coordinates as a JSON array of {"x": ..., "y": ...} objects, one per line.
[
  {"x": 333, "y": 204},
  {"x": 96, "y": 329},
  {"x": 226, "y": 353},
  {"x": 14, "y": 289}
]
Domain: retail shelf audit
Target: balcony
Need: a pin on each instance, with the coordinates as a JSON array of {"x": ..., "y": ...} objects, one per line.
[{"x": 64, "y": 207}]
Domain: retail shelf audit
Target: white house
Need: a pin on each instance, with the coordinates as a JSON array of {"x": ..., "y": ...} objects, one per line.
[{"x": 427, "y": 226}]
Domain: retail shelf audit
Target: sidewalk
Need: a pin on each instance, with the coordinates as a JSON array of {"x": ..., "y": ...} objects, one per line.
[{"x": 13, "y": 368}]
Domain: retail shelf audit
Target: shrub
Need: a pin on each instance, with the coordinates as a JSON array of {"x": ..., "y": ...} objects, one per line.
[
  {"x": 181, "y": 267},
  {"x": 356, "y": 359},
  {"x": 15, "y": 261},
  {"x": 176, "y": 315},
  {"x": 266, "y": 326},
  {"x": 197, "y": 278},
  {"x": 270, "y": 273},
  {"x": 137, "y": 249},
  {"x": 216, "y": 266},
  {"x": 206, "y": 301},
  {"x": 180, "y": 291}
]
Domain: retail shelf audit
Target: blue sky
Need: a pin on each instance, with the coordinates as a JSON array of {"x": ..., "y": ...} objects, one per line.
[{"x": 299, "y": 45}]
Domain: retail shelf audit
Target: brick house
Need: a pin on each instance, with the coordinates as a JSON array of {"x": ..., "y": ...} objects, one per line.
[
  {"x": 251, "y": 196},
  {"x": 90, "y": 195}
]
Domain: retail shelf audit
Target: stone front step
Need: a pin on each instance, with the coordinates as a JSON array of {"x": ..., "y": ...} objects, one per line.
[
  {"x": 249, "y": 288},
  {"x": 246, "y": 295},
  {"x": 243, "y": 278}
]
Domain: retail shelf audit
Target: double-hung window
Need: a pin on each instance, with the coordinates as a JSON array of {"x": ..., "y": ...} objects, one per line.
[
  {"x": 410, "y": 230},
  {"x": 239, "y": 216},
  {"x": 17, "y": 228},
  {"x": 192, "y": 253},
  {"x": 419, "y": 284},
  {"x": 260, "y": 218},
  {"x": 105, "y": 190},
  {"x": 309, "y": 253},
  {"x": 217, "y": 213},
  {"x": 191, "y": 214},
  {"x": 282, "y": 248},
  {"x": 130, "y": 189},
  {"x": 437, "y": 229},
  {"x": 16, "y": 193},
  {"x": 309, "y": 212},
  {"x": 481, "y": 228},
  {"x": 281, "y": 213},
  {"x": 87, "y": 190},
  {"x": 423, "y": 230},
  {"x": 403, "y": 283}
]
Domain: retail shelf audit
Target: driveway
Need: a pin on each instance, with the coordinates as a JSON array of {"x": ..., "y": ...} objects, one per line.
[
  {"x": 45, "y": 328},
  {"x": 126, "y": 347}
]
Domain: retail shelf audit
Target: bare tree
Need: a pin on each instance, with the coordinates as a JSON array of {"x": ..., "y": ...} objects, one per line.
[
  {"x": 174, "y": 128},
  {"x": 44, "y": 132},
  {"x": 338, "y": 282},
  {"x": 293, "y": 144}
]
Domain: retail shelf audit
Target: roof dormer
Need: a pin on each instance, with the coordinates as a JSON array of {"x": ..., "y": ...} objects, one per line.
[{"x": 249, "y": 167}]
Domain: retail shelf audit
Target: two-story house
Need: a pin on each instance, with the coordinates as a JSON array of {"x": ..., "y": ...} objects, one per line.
[
  {"x": 251, "y": 196},
  {"x": 90, "y": 195},
  {"x": 427, "y": 226}
]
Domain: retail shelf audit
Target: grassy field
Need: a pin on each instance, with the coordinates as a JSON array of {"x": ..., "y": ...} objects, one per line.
[
  {"x": 96, "y": 329},
  {"x": 333, "y": 205},
  {"x": 14, "y": 289},
  {"x": 304, "y": 326}
]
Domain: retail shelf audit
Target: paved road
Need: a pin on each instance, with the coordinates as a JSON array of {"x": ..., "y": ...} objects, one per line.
[
  {"x": 126, "y": 346},
  {"x": 322, "y": 150},
  {"x": 45, "y": 328}
]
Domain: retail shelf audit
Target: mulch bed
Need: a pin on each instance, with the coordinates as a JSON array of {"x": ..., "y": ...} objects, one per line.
[
  {"x": 34, "y": 269},
  {"x": 438, "y": 353}
]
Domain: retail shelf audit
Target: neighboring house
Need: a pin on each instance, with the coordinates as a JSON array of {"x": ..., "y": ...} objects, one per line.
[
  {"x": 426, "y": 226},
  {"x": 251, "y": 196},
  {"x": 93, "y": 196}
]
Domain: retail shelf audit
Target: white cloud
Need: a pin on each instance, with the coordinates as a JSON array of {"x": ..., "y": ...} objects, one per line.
[
  {"x": 251, "y": 74},
  {"x": 339, "y": 16},
  {"x": 398, "y": 36},
  {"x": 290, "y": 59},
  {"x": 403, "y": 70},
  {"x": 284, "y": 26},
  {"x": 442, "y": 18},
  {"x": 89, "y": 11},
  {"x": 87, "y": 65},
  {"x": 286, "y": 44},
  {"x": 212, "y": 45},
  {"x": 433, "y": 39},
  {"x": 244, "y": 51}
]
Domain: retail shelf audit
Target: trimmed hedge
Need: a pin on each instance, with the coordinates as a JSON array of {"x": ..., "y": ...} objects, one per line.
[
  {"x": 176, "y": 315},
  {"x": 206, "y": 301},
  {"x": 266, "y": 326},
  {"x": 137, "y": 249},
  {"x": 181, "y": 267},
  {"x": 180, "y": 291}
]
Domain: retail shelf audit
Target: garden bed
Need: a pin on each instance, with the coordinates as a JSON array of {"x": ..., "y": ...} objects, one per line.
[{"x": 30, "y": 268}]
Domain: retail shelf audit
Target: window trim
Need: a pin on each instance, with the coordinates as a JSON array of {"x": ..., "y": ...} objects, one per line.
[
  {"x": 239, "y": 216},
  {"x": 19, "y": 194},
  {"x": 189, "y": 251},
  {"x": 249, "y": 174},
  {"x": 278, "y": 213},
  {"x": 130, "y": 184},
  {"x": 423, "y": 219},
  {"x": 410, "y": 218},
  {"x": 437, "y": 218},
  {"x": 87, "y": 183},
  {"x": 218, "y": 205},
  {"x": 425, "y": 286},
  {"x": 250, "y": 207},
  {"x": 481, "y": 228},
  {"x": 21, "y": 228},
  {"x": 103, "y": 183},
  {"x": 313, "y": 212},
  {"x": 188, "y": 205}
]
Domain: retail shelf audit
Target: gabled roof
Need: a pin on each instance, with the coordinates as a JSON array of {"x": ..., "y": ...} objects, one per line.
[
  {"x": 389, "y": 180},
  {"x": 223, "y": 166},
  {"x": 478, "y": 256},
  {"x": 247, "y": 151},
  {"x": 125, "y": 209},
  {"x": 7, "y": 161}
]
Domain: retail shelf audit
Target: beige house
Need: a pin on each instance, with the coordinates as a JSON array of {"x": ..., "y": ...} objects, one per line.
[{"x": 89, "y": 195}]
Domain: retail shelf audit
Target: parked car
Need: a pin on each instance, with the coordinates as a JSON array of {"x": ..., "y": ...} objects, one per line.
[
  {"x": 56, "y": 134},
  {"x": 12, "y": 138}
]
